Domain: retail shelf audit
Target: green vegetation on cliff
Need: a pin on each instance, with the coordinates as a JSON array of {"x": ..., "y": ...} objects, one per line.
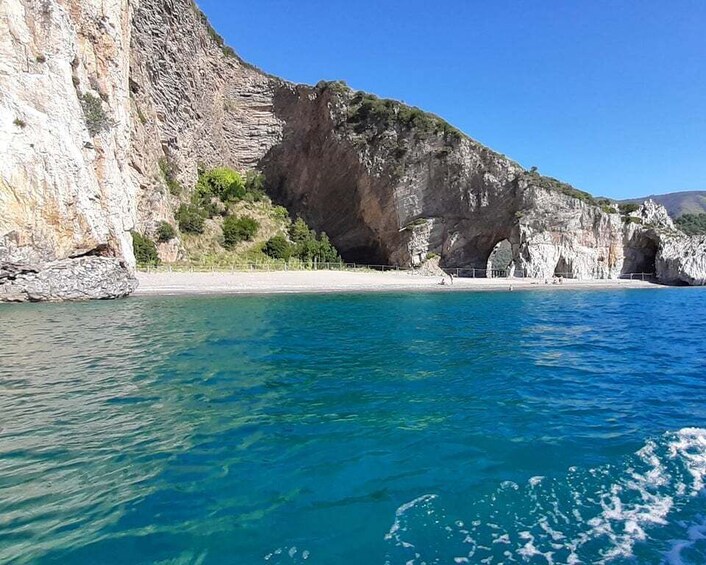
[
  {"x": 549, "y": 183},
  {"x": 145, "y": 249},
  {"x": 237, "y": 229},
  {"x": 230, "y": 219},
  {"x": 368, "y": 111},
  {"x": 692, "y": 224},
  {"x": 94, "y": 115},
  {"x": 165, "y": 232}
]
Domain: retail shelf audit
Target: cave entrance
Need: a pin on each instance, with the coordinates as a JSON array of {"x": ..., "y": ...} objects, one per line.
[
  {"x": 640, "y": 256},
  {"x": 499, "y": 260},
  {"x": 563, "y": 268},
  {"x": 363, "y": 255}
]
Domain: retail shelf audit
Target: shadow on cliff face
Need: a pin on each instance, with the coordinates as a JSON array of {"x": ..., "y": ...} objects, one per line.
[
  {"x": 320, "y": 178},
  {"x": 390, "y": 192}
]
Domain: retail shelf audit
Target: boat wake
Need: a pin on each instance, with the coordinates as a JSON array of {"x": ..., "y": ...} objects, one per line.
[{"x": 645, "y": 508}]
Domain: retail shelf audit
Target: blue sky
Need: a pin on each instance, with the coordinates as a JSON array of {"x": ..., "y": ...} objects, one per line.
[{"x": 608, "y": 95}]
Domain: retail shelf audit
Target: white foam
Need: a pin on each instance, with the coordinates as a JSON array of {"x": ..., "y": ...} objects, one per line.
[{"x": 567, "y": 520}]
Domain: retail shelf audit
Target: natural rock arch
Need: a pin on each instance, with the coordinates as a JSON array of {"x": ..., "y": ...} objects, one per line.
[
  {"x": 563, "y": 268},
  {"x": 500, "y": 259}
]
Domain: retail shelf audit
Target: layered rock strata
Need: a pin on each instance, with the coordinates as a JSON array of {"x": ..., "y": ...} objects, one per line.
[
  {"x": 109, "y": 107},
  {"x": 84, "y": 278}
]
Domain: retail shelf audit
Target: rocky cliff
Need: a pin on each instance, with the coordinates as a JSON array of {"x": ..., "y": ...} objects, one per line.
[
  {"x": 108, "y": 107},
  {"x": 65, "y": 131}
]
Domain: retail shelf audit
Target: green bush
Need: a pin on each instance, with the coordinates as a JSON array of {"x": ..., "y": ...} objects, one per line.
[
  {"x": 237, "y": 229},
  {"x": 550, "y": 183},
  {"x": 145, "y": 250},
  {"x": 280, "y": 213},
  {"x": 222, "y": 182},
  {"x": 168, "y": 171},
  {"x": 692, "y": 224},
  {"x": 368, "y": 111},
  {"x": 190, "y": 219},
  {"x": 299, "y": 231},
  {"x": 207, "y": 207},
  {"x": 165, "y": 232},
  {"x": 95, "y": 117},
  {"x": 20, "y": 123},
  {"x": 308, "y": 246},
  {"x": 278, "y": 247},
  {"x": 628, "y": 208}
]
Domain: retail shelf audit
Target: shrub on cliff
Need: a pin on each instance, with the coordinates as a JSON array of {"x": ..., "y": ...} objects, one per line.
[
  {"x": 628, "y": 208},
  {"x": 95, "y": 117},
  {"x": 145, "y": 250},
  {"x": 168, "y": 171},
  {"x": 309, "y": 246},
  {"x": 254, "y": 186},
  {"x": 368, "y": 111},
  {"x": 190, "y": 219},
  {"x": 237, "y": 229},
  {"x": 165, "y": 232},
  {"x": 299, "y": 231},
  {"x": 278, "y": 247},
  {"x": 222, "y": 182}
]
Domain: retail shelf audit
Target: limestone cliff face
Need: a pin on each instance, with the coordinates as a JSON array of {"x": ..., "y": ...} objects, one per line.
[
  {"x": 390, "y": 184},
  {"x": 193, "y": 101},
  {"x": 64, "y": 183},
  {"x": 108, "y": 107}
]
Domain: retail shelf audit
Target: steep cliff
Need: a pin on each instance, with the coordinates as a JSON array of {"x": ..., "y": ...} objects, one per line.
[
  {"x": 64, "y": 133},
  {"x": 392, "y": 184},
  {"x": 193, "y": 101},
  {"x": 108, "y": 108}
]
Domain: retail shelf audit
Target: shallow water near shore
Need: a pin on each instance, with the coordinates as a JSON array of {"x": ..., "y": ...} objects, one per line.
[{"x": 553, "y": 427}]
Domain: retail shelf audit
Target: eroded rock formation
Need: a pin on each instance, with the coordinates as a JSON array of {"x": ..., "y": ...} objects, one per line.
[
  {"x": 107, "y": 108},
  {"x": 64, "y": 131},
  {"x": 83, "y": 278}
]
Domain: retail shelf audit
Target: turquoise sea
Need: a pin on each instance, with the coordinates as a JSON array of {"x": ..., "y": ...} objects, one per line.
[{"x": 525, "y": 427}]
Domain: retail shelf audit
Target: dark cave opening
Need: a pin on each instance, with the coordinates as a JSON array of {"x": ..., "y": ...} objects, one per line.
[{"x": 640, "y": 255}]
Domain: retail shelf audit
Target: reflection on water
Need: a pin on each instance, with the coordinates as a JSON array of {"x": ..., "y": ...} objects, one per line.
[{"x": 292, "y": 429}]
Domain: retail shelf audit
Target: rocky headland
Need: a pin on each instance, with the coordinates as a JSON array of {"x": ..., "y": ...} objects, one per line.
[{"x": 108, "y": 108}]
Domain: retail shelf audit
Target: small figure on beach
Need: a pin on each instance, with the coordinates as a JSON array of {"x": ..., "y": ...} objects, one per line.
[
  {"x": 451, "y": 278},
  {"x": 442, "y": 281}
]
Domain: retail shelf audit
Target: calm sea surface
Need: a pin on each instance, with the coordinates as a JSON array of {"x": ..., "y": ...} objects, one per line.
[{"x": 537, "y": 427}]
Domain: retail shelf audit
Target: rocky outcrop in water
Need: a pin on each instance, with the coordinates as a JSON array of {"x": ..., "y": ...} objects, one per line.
[{"x": 107, "y": 109}]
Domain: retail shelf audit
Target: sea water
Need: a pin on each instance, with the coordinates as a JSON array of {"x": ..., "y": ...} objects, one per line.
[{"x": 524, "y": 427}]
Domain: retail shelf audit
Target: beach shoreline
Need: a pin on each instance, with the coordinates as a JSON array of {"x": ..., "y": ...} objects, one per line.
[{"x": 335, "y": 282}]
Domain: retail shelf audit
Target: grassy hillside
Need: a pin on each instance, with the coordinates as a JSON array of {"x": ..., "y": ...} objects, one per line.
[{"x": 227, "y": 218}]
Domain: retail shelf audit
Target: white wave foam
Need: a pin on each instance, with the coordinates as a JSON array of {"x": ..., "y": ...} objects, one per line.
[{"x": 596, "y": 515}]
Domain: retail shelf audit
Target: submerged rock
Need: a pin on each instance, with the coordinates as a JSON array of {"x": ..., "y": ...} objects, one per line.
[{"x": 83, "y": 278}]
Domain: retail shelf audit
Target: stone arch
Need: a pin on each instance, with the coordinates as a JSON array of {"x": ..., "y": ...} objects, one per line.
[
  {"x": 500, "y": 259},
  {"x": 563, "y": 268},
  {"x": 472, "y": 252}
]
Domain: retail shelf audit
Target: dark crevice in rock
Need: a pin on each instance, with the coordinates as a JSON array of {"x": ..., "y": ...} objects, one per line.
[{"x": 101, "y": 250}]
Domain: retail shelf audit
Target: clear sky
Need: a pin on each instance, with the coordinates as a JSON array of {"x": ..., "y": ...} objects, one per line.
[{"x": 608, "y": 95}]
